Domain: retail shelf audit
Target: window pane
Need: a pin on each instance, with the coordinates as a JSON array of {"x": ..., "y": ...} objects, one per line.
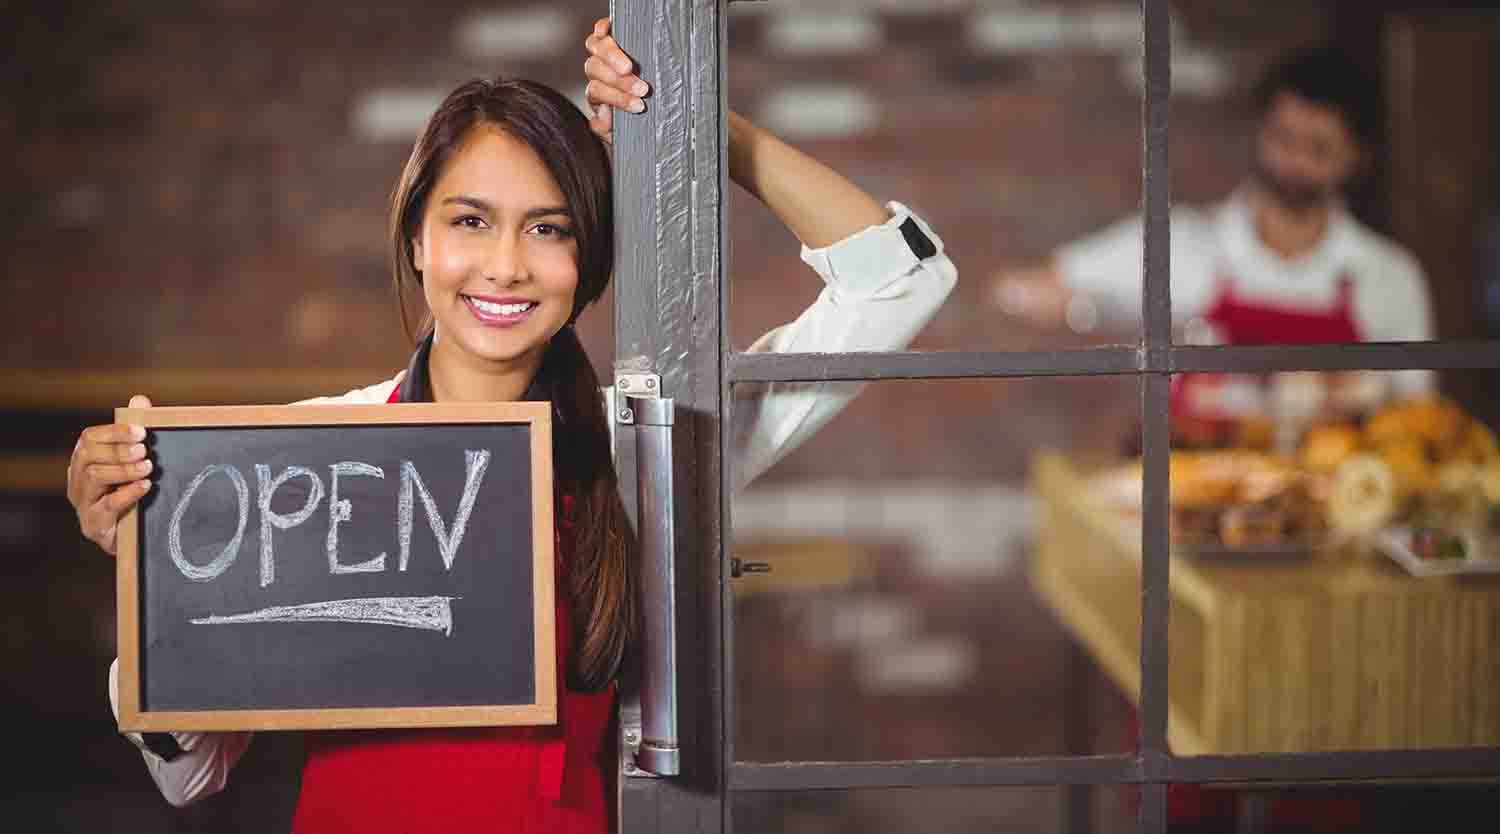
[
  {"x": 1335, "y": 578},
  {"x": 1011, "y": 128},
  {"x": 913, "y": 608},
  {"x": 1338, "y": 226}
]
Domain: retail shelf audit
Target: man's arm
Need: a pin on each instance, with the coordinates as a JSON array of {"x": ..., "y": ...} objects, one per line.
[
  {"x": 1087, "y": 284},
  {"x": 1094, "y": 283},
  {"x": 1033, "y": 292}
]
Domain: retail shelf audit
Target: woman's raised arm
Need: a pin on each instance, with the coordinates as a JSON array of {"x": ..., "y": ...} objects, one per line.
[{"x": 885, "y": 271}]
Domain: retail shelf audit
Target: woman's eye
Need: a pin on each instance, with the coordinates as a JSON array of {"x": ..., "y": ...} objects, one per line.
[
  {"x": 550, "y": 230},
  {"x": 469, "y": 221}
]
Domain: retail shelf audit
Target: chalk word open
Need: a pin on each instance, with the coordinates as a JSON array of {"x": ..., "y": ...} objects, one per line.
[{"x": 448, "y": 537}]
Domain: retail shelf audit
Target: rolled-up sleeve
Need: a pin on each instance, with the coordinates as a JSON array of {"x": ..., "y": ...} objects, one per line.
[
  {"x": 882, "y": 285},
  {"x": 201, "y": 769}
]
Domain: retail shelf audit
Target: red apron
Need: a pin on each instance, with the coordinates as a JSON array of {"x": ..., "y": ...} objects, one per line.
[
  {"x": 456, "y": 781},
  {"x": 1240, "y": 321}
]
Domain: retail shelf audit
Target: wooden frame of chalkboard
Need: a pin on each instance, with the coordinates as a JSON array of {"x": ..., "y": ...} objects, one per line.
[{"x": 538, "y": 704}]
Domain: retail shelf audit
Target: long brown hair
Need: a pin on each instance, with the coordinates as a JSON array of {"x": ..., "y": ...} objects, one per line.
[{"x": 603, "y": 571}]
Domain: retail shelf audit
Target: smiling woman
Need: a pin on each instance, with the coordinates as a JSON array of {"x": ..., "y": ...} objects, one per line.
[
  {"x": 508, "y": 246},
  {"x": 503, "y": 216}
]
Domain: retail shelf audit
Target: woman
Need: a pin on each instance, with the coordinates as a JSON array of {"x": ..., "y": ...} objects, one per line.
[{"x": 503, "y": 218}]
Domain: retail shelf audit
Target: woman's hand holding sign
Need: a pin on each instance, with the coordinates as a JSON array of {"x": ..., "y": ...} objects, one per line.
[{"x": 107, "y": 474}]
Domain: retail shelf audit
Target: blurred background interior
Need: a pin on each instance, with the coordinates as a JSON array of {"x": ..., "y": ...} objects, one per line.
[{"x": 196, "y": 210}]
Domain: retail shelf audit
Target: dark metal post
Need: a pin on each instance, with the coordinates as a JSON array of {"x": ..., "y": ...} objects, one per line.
[
  {"x": 668, "y": 214},
  {"x": 1155, "y": 421}
]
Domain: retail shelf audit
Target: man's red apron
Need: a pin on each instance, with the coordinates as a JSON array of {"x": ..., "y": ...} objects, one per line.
[{"x": 1203, "y": 405}]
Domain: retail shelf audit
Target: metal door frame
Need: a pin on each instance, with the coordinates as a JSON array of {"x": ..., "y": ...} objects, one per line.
[{"x": 671, "y": 318}]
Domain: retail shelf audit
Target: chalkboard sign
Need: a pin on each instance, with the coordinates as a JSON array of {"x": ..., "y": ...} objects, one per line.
[{"x": 339, "y": 566}]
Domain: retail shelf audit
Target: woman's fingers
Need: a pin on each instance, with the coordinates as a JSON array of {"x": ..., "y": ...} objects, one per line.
[
  {"x": 608, "y": 65},
  {"x": 115, "y": 444},
  {"x": 601, "y": 28},
  {"x": 600, "y": 93},
  {"x": 98, "y": 522},
  {"x": 596, "y": 69},
  {"x": 122, "y": 451},
  {"x": 601, "y": 43},
  {"x": 114, "y": 505},
  {"x": 113, "y": 433},
  {"x": 107, "y": 474},
  {"x": 608, "y": 50},
  {"x": 112, "y": 474}
]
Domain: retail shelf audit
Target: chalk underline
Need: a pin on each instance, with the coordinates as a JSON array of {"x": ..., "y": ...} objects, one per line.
[{"x": 425, "y": 613}]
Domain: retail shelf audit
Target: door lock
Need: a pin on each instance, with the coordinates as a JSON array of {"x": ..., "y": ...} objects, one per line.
[{"x": 739, "y": 568}]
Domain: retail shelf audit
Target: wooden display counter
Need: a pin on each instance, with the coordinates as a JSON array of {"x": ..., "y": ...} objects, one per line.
[{"x": 1340, "y": 650}]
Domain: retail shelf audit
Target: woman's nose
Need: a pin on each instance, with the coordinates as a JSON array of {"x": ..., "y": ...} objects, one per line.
[{"x": 505, "y": 263}]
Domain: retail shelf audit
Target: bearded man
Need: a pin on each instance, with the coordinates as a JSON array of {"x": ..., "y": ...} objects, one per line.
[{"x": 1280, "y": 261}]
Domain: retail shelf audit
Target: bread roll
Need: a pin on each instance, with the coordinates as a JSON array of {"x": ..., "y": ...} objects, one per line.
[
  {"x": 1408, "y": 461},
  {"x": 1215, "y": 478},
  {"x": 1250, "y": 525},
  {"x": 1364, "y": 496},
  {"x": 1478, "y": 444},
  {"x": 1202, "y": 479},
  {"x": 1326, "y": 447},
  {"x": 1433, "y": 420}
]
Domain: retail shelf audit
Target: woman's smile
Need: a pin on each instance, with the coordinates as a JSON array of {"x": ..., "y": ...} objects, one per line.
[{"x": 499, "y": 312}]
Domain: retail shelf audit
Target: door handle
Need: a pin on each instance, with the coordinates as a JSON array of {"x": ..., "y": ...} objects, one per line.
[{"x": 652, "y": 418}]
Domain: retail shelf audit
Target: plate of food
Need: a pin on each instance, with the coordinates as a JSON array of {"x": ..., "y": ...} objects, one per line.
[
  {"x": 1286, "y": 524},
  {"x": 1401, "y": 478},
  {"x": 1435, "y": 551},
  {"x": 1231, "y": 504}
]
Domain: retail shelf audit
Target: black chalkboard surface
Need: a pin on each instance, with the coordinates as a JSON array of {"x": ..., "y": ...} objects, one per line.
[{"x": 338, "y": 566}]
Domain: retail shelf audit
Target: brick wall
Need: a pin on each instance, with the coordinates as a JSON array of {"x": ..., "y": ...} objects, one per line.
[
  {"x": 189, "y": 188},
  {"x": 189, "y": 183}
]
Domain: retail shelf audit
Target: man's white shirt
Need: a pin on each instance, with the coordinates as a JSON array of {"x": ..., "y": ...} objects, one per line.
[{"x": 1219, "y": 244}]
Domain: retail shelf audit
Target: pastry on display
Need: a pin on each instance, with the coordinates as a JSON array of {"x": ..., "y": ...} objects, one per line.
[
  {"x": 1364, "y": 497},
  {"x": 1423, "y": 462},
  {"x": 1327, "y": 446}
]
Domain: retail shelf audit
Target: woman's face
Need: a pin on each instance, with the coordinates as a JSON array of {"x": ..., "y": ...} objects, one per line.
[{"x": 497, "y": 253}]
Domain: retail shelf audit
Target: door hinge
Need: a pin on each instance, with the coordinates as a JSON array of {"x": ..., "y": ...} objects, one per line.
[{"x": 638, "y": 385}]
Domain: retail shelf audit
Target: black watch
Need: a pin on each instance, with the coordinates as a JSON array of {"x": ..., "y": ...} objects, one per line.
[
  {"x": 164, "y": 745},
  {"x": 920, "y": 244}
]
